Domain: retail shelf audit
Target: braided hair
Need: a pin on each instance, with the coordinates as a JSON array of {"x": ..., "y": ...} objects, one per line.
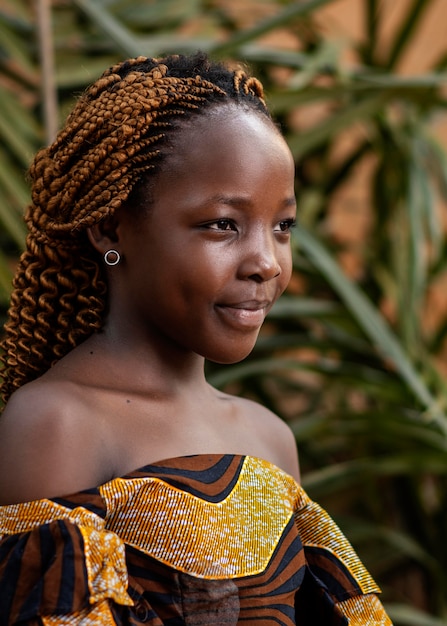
[{"x": 111, "y": 145}]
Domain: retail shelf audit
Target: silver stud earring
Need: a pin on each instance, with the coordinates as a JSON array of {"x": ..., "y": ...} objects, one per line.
[{"x": 116, "y": 258}]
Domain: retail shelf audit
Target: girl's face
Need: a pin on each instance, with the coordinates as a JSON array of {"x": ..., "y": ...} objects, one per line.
[{"x": 203, "y": 268}]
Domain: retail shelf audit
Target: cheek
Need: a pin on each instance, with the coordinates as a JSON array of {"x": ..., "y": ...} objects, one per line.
[
  {"x": 193, "y": 276},
  {"x": 286, "y": 268},
  {"x": 208, "y": 267}
]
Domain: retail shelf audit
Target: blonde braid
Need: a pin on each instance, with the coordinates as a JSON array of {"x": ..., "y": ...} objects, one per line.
[{"x": 111, "y": 139}]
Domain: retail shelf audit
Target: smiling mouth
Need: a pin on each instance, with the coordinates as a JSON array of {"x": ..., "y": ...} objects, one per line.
[{"x": 247, "y": 315}]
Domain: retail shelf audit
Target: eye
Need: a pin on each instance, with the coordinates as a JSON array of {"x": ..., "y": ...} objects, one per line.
[
  {"x": 222, "y": 224},
  {"x": 285, "y": 226}
]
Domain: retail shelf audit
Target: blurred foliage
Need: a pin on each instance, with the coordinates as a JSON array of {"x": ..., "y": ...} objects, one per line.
[{"x": 353, "y": 356}]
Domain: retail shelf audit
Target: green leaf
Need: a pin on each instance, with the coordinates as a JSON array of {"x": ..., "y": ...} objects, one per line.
[
  {"x": 404, "y": 615},
  {"x": 16, "y": 131},
  {"x": 291, "y": 12},
  {"x": 125, "y": 41},
  {"x": 5, "y": 279},
  {"x": 372, "y": 322},
  {"x": 307, "y": 140},
  {"x": 296, "y": 306},
  {"x": 409, "y": 25}
]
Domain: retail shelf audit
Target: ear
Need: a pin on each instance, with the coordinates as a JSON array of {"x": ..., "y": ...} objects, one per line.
[{"x": 104, "y": 235}]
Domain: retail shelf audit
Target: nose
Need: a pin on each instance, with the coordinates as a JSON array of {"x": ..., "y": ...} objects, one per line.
[{"x": 260, "y": 259}]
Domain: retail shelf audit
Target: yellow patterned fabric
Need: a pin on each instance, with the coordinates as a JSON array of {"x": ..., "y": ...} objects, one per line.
[
  {"x": 364, "y": 611},
  {"x": 318, "y": 530},
  {"x": 105, "y": 561},
  {"x": 24, "y": 517},
  {"x": 185, "y": 530},
  {"x": 208, "y": 539},
  {"x": 99, "y": 615}
]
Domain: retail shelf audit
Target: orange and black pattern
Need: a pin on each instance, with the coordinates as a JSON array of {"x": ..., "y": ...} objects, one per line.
[{"x": 202, "y": 540}]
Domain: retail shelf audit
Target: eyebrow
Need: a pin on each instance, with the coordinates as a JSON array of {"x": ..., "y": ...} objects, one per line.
[{"x": 236, "y": 201}]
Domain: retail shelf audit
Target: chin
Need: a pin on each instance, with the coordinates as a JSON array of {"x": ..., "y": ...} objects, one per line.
[
  {"x": 234, "y": 350},
  {"x": 230, "y": 359}
]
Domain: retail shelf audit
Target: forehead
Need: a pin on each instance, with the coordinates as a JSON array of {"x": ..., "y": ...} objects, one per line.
[{"x": 226, "y": 138}]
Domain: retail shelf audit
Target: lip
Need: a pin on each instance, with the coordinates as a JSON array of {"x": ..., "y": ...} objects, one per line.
[{"x": 249, "y": 314}]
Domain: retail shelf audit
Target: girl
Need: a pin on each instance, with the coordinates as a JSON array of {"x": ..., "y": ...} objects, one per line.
[{"x": 158, "y": 237}]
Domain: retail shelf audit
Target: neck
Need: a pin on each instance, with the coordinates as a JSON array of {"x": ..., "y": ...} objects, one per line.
[{"x": 149, "y": 364}]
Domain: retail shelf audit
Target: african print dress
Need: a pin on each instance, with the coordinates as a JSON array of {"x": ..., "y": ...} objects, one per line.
[{"x": 201, "y": 540}]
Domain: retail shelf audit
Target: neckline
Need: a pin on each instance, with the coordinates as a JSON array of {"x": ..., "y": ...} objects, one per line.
[
  {"x": 141, "y": 470},
  {"x": 213, "y": 455}
]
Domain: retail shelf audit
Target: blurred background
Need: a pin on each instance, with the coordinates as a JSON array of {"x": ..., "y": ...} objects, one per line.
[{"x": 354, "y": 356}]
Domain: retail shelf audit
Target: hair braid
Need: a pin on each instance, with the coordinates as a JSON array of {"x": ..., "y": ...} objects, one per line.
[{"x": 112, "y": 139}]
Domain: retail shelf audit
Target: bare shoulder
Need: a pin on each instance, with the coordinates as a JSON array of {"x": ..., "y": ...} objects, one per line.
[
  {"x": 44, "y": 443},
  {"x": 271, "y": 434}
]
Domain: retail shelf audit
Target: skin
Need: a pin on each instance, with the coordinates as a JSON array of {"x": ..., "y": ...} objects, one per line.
[{"x": 197, "y": 276}]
